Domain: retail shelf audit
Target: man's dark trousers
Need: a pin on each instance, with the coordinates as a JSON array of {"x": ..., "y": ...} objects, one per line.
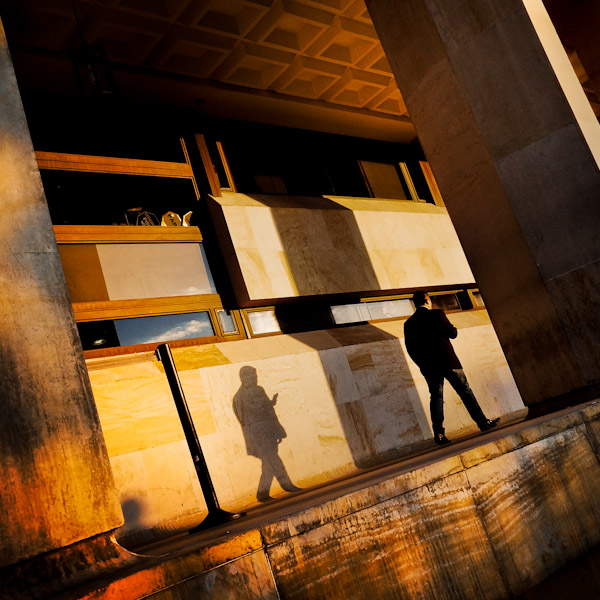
[
  {"x": 458, "y": 380},
  {"x": 428, "y": 334}
]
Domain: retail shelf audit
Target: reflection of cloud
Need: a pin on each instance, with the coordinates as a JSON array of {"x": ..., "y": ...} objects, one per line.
[{"x": 190, "y": 329}]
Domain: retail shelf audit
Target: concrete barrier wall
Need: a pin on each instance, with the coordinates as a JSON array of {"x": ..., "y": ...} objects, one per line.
[
  {"x": 487, "y": 522},
  {"x": 346, "y": 398}
]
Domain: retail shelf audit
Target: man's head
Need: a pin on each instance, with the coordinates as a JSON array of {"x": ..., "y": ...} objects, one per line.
[
  {"x": 248, "y": 375},
  {"x": 421, "y": 299}
]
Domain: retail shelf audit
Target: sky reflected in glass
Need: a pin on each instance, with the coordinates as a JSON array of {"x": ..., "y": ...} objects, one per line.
[{"x": 147, "y": 330}]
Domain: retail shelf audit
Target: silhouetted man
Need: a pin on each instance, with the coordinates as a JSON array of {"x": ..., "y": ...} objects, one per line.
[
  {"x": 262, "y": 432},
  {"x": 428, "y": 333}
]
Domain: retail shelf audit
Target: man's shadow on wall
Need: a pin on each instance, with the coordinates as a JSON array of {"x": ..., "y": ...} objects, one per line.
[{"x": 262, "y": 432}]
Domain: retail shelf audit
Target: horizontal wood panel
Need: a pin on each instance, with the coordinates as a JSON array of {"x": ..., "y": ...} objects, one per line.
[
  {"x": 123, "y": 234},
  {"x": 143, "y": 350},
  {"x": 108, "y": 164},
  {"x": 120, "y": 309}
]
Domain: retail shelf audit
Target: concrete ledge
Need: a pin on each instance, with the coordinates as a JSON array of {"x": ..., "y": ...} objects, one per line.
[
  {"x": 485, "y": 521},
  {"x": 134, "y": 576}
]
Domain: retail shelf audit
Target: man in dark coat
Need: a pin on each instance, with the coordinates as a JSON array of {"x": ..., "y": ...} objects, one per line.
[
  {"x": 262, "y": 432},
  {"x": 427, "y": 334}
]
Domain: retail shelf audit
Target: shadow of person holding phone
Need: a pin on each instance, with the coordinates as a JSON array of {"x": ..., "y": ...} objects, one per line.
[{"x": 262, "y": 432}]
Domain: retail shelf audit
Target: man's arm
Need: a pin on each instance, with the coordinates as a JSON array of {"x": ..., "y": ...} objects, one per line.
[
  {"x": 414, "y": 343},
  {"x": 447, "y": 327},
  {"x": 238, "y": 409}
]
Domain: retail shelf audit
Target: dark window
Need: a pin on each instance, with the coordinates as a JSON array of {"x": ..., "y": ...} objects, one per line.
[{"x": 76, "y": 198}]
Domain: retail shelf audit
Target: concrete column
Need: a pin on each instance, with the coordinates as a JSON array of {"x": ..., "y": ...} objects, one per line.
[
  {"x": 56, "y": 486},
  {"x": 515, "y": 148}
]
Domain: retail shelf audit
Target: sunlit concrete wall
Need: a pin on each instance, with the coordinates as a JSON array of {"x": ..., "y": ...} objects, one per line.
[
  {"x": 346, "y": 398},
  {"x": 288, "y": 247},
  {"x": 56, "y": 487},
  {"x": 488, "y": 523},
  {"x": 515, "y": 148}
]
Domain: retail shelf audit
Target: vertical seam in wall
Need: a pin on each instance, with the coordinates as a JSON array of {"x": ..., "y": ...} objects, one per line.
[
  {"x": 499, "y": 568},
  {"x": 591, "y": 438},
  {"x": 178, "y": 583},
  {"x": 264, "y": 547}
]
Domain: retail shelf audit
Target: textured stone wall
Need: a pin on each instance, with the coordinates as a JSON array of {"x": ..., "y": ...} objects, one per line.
[
  {"x": 486, "y": 522},
  {"x": 287, "y": 247},
  {"x": 515, "y": 149},
  {"x": 346, "y": 398},
  {"x": 489, "y": 523},
  {"x": 56, "y": 486}
]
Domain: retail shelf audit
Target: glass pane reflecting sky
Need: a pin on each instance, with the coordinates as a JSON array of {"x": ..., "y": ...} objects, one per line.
[
  {"x": 145, "y": 330},
  {"x": 263, "y": 321}
]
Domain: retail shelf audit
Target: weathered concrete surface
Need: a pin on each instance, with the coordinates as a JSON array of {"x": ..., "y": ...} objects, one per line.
[
  {"x": 346, "y": 399},
  {"x": 503, "y": 517},
  {"x": 217, "y": 568},
  {"x": 487, "y": 518},
  {"x": 51, "y": 444},
  {"x": 294, "y": 246},
  {"x": 394, "y": 548},
  {"x": 247, "y": 578},
  {"x": 515, "y": 149}
]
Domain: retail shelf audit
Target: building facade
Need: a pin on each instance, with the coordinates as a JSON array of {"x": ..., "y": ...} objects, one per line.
[{"x": 242, "y": 180}]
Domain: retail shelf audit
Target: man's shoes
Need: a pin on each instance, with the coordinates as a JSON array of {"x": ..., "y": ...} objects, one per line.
[
  {"x": 440, "y": 439},
  {"x": 263, "y": 497},
  {"x": 489, "y": 424}
]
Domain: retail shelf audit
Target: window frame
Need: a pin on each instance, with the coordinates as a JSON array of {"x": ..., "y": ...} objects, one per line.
[
  {"x": 124, "y": 234},
  {"x": 248, "y": 325},
  {"x": 401, "y": 180},
  {"x": 472, "y": 292},
  {"x": 448, "y": 293},
  {"x": 368, "y": 299},
  {"x": 407, "y": 296},
  {"x": 87, "y": 163},
  {"x": 431, "y": 182}
]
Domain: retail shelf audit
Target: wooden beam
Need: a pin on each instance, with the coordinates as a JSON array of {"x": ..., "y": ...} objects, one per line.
[
  {"x": 213, "y": 180},
  {"x": 109, "y": 164},
  {"x": 128, "y": 234},
  {"x": 143, "y": 307}
]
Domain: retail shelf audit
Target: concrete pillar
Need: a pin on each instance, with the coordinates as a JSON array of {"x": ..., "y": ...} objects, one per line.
[
  {"x": 515, "y": 148},
  {"x": 56, "y": 486}
]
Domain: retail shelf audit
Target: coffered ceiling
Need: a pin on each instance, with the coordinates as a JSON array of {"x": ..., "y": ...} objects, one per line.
[{"x": 313, "y": 64}]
